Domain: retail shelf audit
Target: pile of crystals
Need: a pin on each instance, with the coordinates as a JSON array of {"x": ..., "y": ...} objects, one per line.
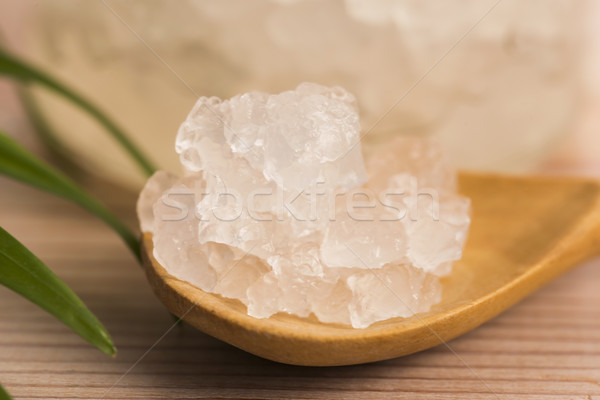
[{"x": 278, "y": 210}]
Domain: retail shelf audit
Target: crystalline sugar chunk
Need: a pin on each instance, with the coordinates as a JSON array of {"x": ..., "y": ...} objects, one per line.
[
  {"x": 265, "y": 210},
  {"x": 292, "y": 138}
]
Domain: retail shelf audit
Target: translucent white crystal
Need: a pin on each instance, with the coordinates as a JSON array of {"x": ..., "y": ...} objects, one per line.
[
  {"x": 275, "y": 210},
  {"x": 295, "y": 138}
]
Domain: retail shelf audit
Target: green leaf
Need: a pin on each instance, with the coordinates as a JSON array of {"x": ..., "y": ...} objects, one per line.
[
  {"x": 56, "y": 148},
  {"x": 23, "y": 272},
  {"x": 13, "y": 67},
  {"x": 4, "y": 395},
  {"x": 20, "y": 164}
]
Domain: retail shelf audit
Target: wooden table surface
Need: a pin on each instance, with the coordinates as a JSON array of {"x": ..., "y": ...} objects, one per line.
[{"x": 546, "y": 347}]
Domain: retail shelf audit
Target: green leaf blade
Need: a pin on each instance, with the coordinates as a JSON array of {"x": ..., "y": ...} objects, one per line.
[
  {"x": 24, "y": 273},
  {"x": 4, "y": 394},
  {"x": 12, "y": 67},
  {"x": 18, "y": 163}
]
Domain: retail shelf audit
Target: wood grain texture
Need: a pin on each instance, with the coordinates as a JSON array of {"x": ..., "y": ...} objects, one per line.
[{"x": 546, "y": 347}]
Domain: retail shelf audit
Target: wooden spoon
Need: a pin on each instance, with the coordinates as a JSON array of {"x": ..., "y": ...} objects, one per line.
[{"x": 524, "y": 232}]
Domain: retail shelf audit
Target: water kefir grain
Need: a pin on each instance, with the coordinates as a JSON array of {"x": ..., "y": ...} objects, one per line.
[{"x": 278, "y": 209}]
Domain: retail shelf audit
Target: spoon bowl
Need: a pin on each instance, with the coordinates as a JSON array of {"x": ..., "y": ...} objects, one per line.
[{"x": 525, "y": 231}]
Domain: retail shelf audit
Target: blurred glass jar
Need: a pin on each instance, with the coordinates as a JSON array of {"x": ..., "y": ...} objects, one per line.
[{"x": 497, "y": 86}]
